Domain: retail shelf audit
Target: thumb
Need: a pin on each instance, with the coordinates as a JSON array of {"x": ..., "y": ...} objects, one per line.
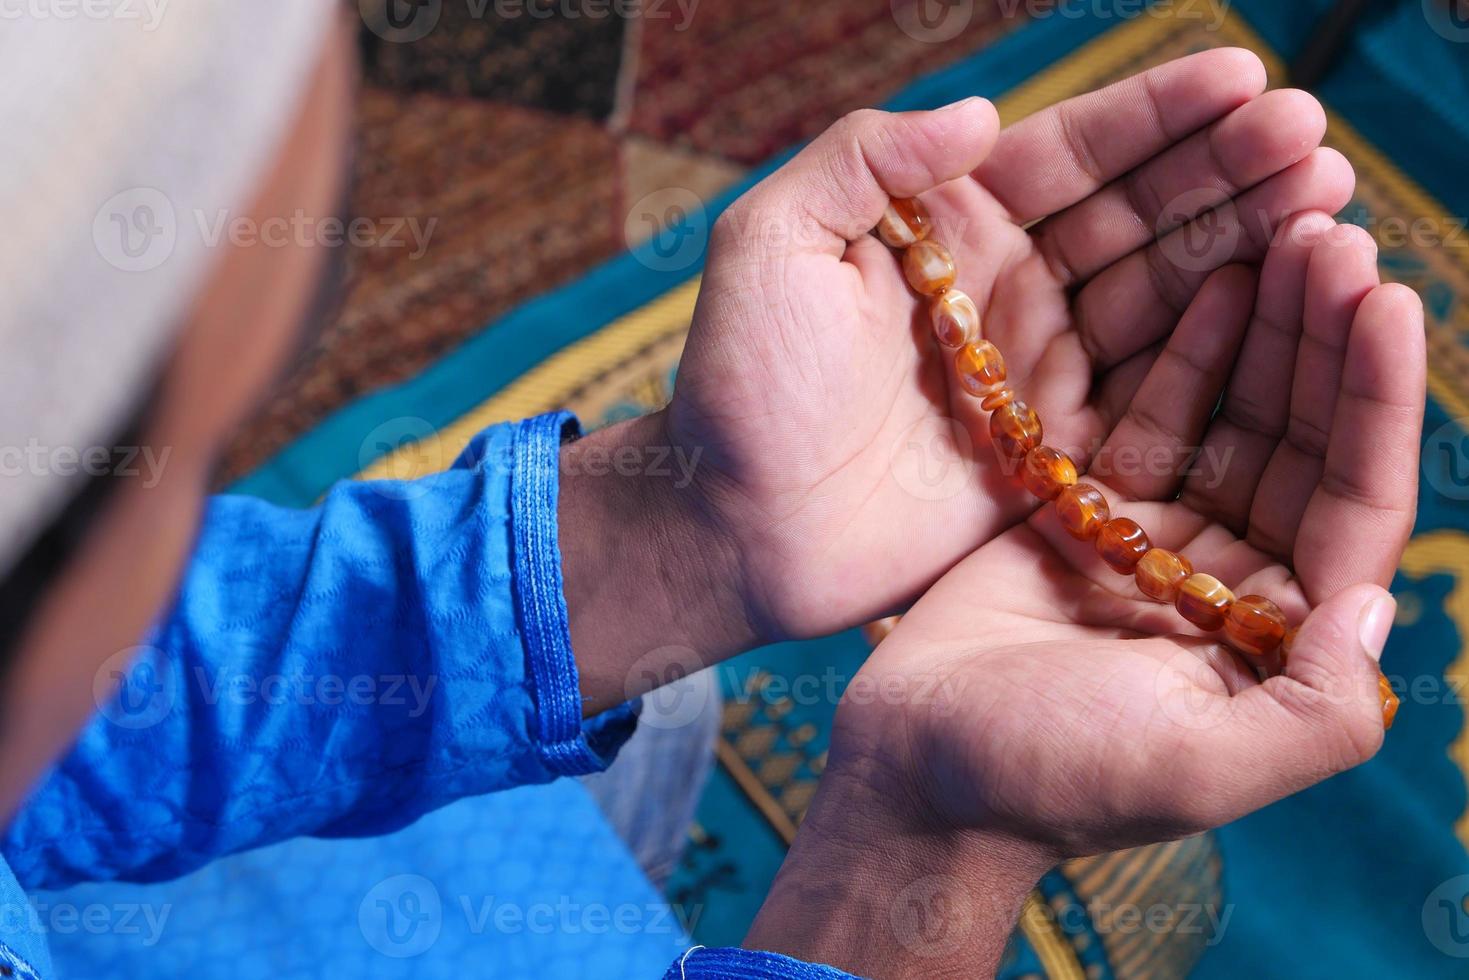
[
  {"x": 835, "y": 190},
  {"x": 1324, "y": 714}
]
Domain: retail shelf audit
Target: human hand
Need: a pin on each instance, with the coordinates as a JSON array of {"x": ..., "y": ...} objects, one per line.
[
  {"x": 814, "y": 400},
  {"x": 1073, "y": 715},
  {"x": 811, "y": 384}
]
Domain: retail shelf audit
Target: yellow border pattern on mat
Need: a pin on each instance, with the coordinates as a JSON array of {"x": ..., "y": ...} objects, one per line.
[
  {"x": 1447, "y": 553},
  {"x": 545, "y": 387}
]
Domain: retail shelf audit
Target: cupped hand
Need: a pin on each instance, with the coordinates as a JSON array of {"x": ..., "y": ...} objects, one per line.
[
  {"x": 1077, "y": 714},
  {"x": 834, "y": 462}
]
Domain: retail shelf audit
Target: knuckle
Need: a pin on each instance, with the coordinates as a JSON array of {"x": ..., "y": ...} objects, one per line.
[
  {"x": 860, "y": 122},
  {"x": 725, "y": 232},
  {"x": 1363, "y": 736}
]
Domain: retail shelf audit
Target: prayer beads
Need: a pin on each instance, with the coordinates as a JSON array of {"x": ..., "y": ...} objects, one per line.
[
  {"x": 904, "y": 223},
  {"x": 1082, "y": 510},
  {"x": 979, "y": 367},
  {"x": 1204, "y": 601},
  {"x": 995, "y": 399},
  {"x": 1160, "y": 573},
  {"x": 1047, "y": 472},
  {"x": 929, "y": 267},
  {"x": 1015, "y": 429},
  {"x": 1122, "y": 543},
  {"x": 1253, "y": 625},
  {"x": 1389, "y": 699},
  {"x": 955, "y": 318}
]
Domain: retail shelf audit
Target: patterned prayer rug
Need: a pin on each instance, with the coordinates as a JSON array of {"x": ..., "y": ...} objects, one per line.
[
  {"x": 528, "y": 147},
  {"x": 1366, "y": 875}
]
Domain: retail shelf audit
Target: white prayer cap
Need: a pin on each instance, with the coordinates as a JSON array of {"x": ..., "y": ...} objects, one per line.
[{"x": 121, "y": 122}]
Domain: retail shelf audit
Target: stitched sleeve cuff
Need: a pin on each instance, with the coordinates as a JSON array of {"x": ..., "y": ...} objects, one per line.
[
  {"x": 733, "y": 963},
  {"x": 568, "y": 745}
]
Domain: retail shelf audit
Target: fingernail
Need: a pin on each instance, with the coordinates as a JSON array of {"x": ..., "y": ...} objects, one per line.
[
  {"x": 1375, "y": 623},
  {"x": 962, "y": 103}
]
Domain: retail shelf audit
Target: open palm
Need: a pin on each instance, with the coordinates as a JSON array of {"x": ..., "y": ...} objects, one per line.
[
  {"x": 1079, "y": 713},
  {"x": 834, "y": 458}
]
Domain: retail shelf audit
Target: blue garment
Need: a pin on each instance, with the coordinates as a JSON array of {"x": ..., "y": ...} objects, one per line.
[
  {"x": 335, "y": 672},
  {"x": 744, "y": 964}
]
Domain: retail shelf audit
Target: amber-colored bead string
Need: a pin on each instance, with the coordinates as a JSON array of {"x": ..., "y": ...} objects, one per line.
[{"x": 1252, "y": 624}]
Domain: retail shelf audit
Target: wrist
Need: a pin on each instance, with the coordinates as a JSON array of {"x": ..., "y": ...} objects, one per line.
[
  {"x": 652, "y": 580},
  {"x": 875, "y": 886}
]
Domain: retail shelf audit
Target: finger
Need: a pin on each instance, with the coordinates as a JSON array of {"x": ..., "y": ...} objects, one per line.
[
  {"x": 1341, "y": 272},
  {"x": 1360, "y": 517},
  {"x": 1138, "y": 300},
  {"x": 1116, "y": 389},
  {"x": 1146, "y": 455},
  {"x": 1060, "y": 155},
  {"x": 1252, "y": 143},
  {"x": 1256, "y": 402},
  {"x": 1323, "y": 715},
  {"x": 835, "y": 190}
]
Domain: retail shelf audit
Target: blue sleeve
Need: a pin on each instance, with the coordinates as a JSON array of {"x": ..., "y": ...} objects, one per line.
[
  {"x": 338, "y": 671},
  {"x": 734, "y": 963}
]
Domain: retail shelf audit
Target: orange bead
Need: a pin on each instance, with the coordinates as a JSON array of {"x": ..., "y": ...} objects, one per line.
[
  {"x": 1122, "y": 543},
  {"x": 979, "y": 367},
  {"x": 1204, "y": 601},
  {"x": 1082, "y": 510},
  {"x": 1286, "y": 642},
  {"x": 996, "y": 398},
  {"x": 929, "y": 267},
  {"x": 955, "y": 318},
  {"x": 904, "y": 222},
  {"x": 1255, "y": 625},
  {"x": 1389, "y": 700},
  {"x": 1047, "y": 472},
  {"x": 877, "y": 631},
  {"x": 1161, "y": 572},
  {"x": 1015, "y": 429}
]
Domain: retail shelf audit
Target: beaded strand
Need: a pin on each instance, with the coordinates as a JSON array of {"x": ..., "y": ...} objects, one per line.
[{"x": 1252, "y": 624}]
